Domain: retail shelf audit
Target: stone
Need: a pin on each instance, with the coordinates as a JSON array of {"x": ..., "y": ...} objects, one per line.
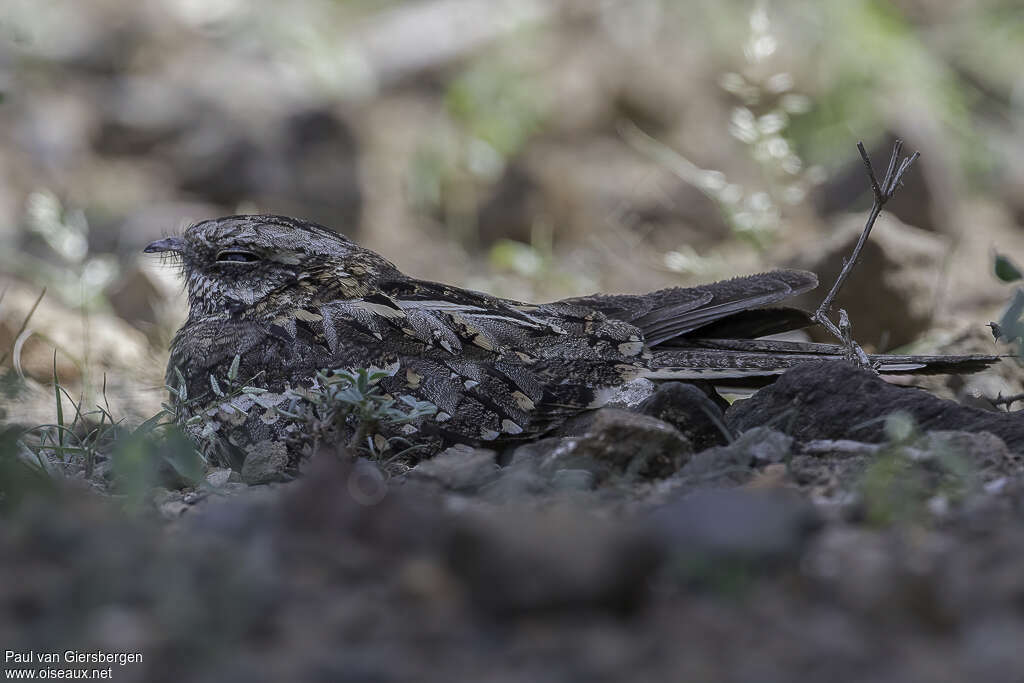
[
  {"x": 266, "y": 462},
  {"x": 459, "y": 468},
  {"x": 221, "y": 476},
  {"x": 986, "y": 452},
  {"x": 634, "y": 444},
  {"x": 733, "y": 464},
  {"x": 689, "y": 409}
]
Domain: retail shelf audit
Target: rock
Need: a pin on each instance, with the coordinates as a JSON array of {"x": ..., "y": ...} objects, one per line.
[
  {"x": 522, "y": 560},
  {"x": 899, "y": 265},
  {"x": 732, "y": 464},
  {"x": 170, "y": 504},
  {"x": 553, "y": 452},
  {"x": 837, "y": 400},
  {"x": 546, "y": 466},
  {"x": 635, "y": 444},
  {"x": 266, "y": 462},
  {"x": 221, "y": 476},
  {"x": 459, "y": 468},
  {"x": 762, "y": 526},
  {"x": 233, "y": 487},
  {"x": 765, "y": 445},
  {"x": 626, "y": 396},
  {"x": 173, "y": 509},
  {"x": 551, "y": 455},
  {"x": 986, "y": 452},
  {"x": 689, "y": 409}
]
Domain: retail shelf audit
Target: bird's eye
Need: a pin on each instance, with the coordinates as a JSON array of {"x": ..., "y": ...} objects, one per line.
[{"x": 237, "y": 256}]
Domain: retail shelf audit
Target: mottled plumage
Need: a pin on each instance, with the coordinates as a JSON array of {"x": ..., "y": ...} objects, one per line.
[{"x": 289, "y": 298}]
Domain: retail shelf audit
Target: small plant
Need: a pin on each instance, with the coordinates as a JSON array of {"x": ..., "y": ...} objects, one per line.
[
  {"x": 343, "y": 400},
  {"x": 96, "y": 447},
  {"x": 236, "y": 395},
  {"x": 911, "y": 473}
]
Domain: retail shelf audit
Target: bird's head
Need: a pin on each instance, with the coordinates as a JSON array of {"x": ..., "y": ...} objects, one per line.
[{"x": 234, "y": 263}]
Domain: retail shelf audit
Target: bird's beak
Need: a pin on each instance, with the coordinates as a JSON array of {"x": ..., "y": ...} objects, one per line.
[{"x": 167, "y": 244}]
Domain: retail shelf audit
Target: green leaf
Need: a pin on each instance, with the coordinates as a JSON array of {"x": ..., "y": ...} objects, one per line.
[
  {"x": 149, "y": 425},
  {"x": 60, "y": 405},
  {"x": 182, "y": 385},
  {"x": 215, "y": 386},
  {"x": 178, "y": 452},
  {"x": 1005, "y": 269},
  {"x": 233, "y": 370}
]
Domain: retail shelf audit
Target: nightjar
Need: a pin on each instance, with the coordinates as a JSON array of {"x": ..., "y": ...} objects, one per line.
[{"x": 275, "y": 299}]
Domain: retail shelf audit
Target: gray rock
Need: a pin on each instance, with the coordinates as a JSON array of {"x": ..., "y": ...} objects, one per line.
[
  {"x": 634, "y": 444},
  {"x": 986, "y": 452},
  {"x": 733, "y": 464},
  {"x": 764, "y": 444},
  {"x": 217, "y": 478},
  {"x": 459, "y": 468},
  {"x": 543, "y": 467},
  {"x": 836, "y": 400},
  {"x": 170, "y": 504},
  {"x": 266, "y": 462},
  {"x": 689, "y": 409},
  {"x": 551, "y": 455}
]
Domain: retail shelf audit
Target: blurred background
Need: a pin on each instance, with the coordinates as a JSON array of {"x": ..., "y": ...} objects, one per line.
[{"x": 535, "y": 149}]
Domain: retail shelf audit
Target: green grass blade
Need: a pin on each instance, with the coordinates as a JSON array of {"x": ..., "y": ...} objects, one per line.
[{"x": 60, "y": 405}]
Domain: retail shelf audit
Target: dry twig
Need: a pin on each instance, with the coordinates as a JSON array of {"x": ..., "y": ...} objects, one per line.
[{"x": 882, "y": 192}]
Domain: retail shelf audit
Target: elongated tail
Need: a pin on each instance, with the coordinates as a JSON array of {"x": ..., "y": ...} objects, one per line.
[{"x": 750, "y": 359}]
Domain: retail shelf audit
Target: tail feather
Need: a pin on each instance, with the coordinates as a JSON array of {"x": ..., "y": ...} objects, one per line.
[
  {"x": 750, "y": 324},
  {"x": 670, "y": 313},
  {"x": 729, "y": 359},
  {"x": 667, "y": 321}
]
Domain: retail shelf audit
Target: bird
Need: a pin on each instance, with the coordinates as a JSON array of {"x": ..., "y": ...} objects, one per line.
[{"x": 281, "y": 299}]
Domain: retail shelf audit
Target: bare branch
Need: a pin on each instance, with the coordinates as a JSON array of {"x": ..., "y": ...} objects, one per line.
[{"x": 894, "y": 174}]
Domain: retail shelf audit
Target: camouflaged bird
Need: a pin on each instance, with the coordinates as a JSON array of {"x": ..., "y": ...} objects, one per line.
[{"x": 289, "y": 298}]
